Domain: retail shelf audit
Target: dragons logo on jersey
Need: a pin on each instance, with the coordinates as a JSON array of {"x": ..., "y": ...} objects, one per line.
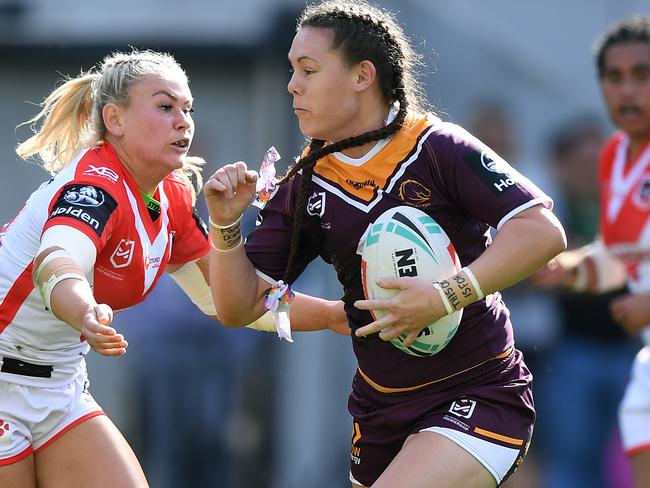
[
  {"x": 88, "y": 204},
  {"x": 316, "y": 204}
]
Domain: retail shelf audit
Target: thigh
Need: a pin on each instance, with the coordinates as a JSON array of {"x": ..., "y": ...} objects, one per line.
[
  {"x": 634, "y": 412},
  {"x": 18, "y": 475},
  {"x": 93, "y": 453},
  {"x": 641, "y": 469},
  {"x": 429, "y": 459}
]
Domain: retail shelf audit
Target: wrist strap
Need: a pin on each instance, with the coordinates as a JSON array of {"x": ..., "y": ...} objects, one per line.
[
  {"x": 474, "y": 281},
  {"x": 221, "y": 227},
  {"x": 445, "y": 300},
  {"x": 581, "y": 278}
]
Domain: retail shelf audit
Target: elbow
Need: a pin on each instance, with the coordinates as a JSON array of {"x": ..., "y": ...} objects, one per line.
[
  {"x": 556, "y": 240},
  {"x": 231, "y": 319}
]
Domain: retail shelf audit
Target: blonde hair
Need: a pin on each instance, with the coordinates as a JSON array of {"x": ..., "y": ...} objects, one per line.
[{"x": 71, "y": 116}]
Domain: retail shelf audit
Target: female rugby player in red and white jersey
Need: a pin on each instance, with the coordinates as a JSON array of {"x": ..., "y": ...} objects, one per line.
[
  {"x": 463, "y": 417},
  {"x": 622, "y": 253},
  {"x": 117, "y": 213}
]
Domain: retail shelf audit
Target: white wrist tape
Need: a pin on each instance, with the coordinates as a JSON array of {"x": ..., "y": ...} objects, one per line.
[
  {"x": 474, "y": 281},
  {"x": 581, "y": 278},
  {"x": 221, "y": 227},
  {"x": 52, "y": 281},
  {"x": 610, "y": 272},
  {"x": 445, "y": 300},
  {"x": 59, "y": 253}
]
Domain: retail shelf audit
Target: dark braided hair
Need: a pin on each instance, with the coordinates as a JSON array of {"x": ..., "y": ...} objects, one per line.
[
  {"x": 633, "y": 29},
  {"x": 360, "y": 32}
]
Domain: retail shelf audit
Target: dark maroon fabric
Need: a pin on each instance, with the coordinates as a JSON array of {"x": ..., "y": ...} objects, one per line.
[
  {"x": 499, "y": 393},
  {"x": 467, "y": 192}
]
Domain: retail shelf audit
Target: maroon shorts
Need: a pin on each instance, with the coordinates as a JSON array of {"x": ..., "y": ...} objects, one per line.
[{"x": 492, "y": 402}]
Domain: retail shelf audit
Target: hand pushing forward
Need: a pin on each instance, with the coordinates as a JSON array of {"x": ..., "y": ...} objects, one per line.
[{"x": 229, "y": 191}]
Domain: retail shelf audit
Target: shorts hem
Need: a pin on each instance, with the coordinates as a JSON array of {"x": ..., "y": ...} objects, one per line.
[
  {"x": 18, "y": 457},
  {"x": 632, "y": 451},
  {"x": 356, "y": 482},
  {"x": 80, "y": 420},
  {"x": 451, "y": 435}
]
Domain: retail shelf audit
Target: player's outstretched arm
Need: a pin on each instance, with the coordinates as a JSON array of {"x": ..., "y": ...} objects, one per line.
[
  {"x": 68, "y": 295},
  {"x": 521, "y": 246}
]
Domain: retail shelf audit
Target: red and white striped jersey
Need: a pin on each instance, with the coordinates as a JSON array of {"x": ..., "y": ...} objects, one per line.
[
  {"x": 95, "y": 195},
  {"x": 625, "y": 209}
]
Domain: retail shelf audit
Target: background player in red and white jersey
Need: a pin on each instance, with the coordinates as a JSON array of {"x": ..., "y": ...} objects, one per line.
[
  {"x": 622, "y": 253},
  {"x": 117, "y": 213},
  {"x": 463, "y": 417}
]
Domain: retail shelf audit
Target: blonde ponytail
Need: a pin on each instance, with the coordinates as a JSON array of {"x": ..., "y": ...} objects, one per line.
[
  {"x": 66, "y": 115},
  {"x": 192, "y": 167}
]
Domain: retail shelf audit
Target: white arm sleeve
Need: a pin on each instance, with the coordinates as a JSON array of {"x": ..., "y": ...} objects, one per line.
[
  {"x": 77, "y": 244},
  {"x": 192, "y": 282}
]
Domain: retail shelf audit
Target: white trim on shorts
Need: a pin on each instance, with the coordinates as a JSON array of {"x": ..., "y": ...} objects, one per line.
[
  {"x": 498, "y": 460},
  {"x": 354, "y": 481},
  {"x": 634, "y": 411}
]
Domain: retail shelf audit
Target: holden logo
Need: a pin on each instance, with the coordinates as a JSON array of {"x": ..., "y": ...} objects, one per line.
[{"x": 123, "y": 254}]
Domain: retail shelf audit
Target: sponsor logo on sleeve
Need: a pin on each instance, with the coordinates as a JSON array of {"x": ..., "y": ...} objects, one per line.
[
  {"x": 492, "y": 170},
  {"x": 86, "y": 203},
  {"x": 102, "y": 172}
]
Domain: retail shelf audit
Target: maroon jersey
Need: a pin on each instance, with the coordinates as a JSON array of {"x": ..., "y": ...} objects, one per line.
[{"x": 435, "y": 166}]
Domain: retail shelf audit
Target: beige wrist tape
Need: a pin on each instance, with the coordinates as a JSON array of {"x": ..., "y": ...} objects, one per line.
[
  {"x": 61, "y": 267},
  {"x": 460, "y": 290}
]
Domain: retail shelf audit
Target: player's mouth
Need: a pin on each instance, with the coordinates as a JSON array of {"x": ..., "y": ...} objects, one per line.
[{"x": 182, "y": 143}]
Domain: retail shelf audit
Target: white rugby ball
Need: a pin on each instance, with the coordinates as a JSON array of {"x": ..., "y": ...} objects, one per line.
[{"x": 405, "y": 241}]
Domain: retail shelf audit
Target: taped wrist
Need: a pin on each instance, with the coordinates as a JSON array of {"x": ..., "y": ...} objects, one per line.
[
  {"x": 459, "y": 290},
  {"x": 54, "y": 268}
]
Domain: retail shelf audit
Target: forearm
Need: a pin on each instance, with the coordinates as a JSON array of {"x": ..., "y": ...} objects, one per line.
[
  {"x": 237, "y": 291},
  {"x": 310, "y": 313},
  {"x": 70, "y": 301},
  {"x": 522, "y": 245}
]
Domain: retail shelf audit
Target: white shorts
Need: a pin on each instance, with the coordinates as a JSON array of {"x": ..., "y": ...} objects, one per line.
[
  {"x": 32, "y": 417},
  {"x": 634, "y": 412}
]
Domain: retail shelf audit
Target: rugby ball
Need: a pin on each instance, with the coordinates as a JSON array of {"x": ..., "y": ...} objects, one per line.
[{"x": 405, "y": 241}]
